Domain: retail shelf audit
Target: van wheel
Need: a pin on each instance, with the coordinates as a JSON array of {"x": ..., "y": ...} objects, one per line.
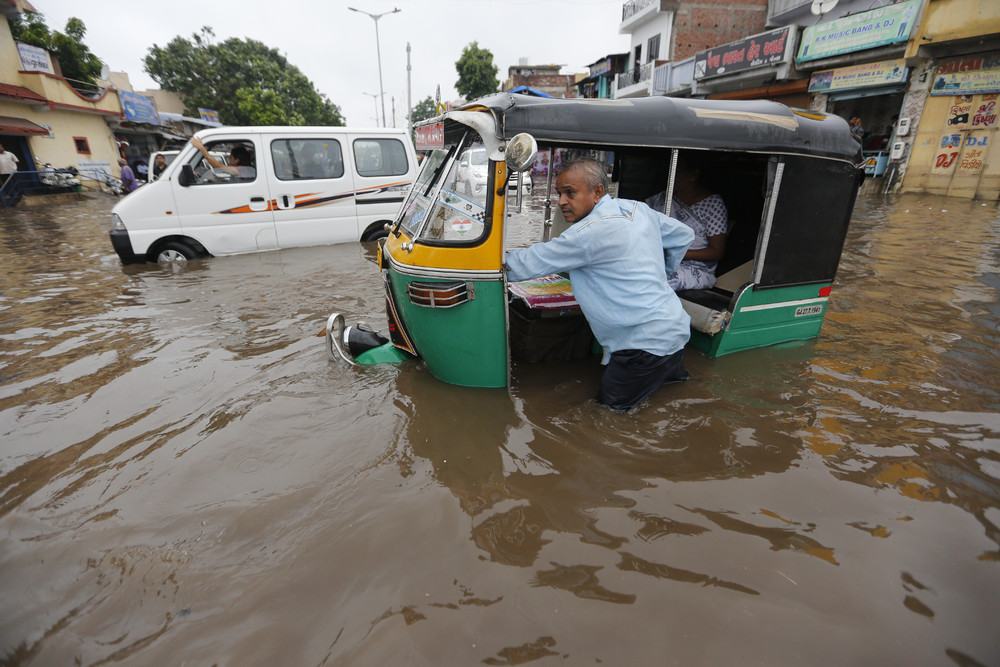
[
  {"x": 174, "y": 251},
  {"x": 376, "y": 234}
]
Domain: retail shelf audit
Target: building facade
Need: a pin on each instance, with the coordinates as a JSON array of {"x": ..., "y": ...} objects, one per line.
[
  {"x": 600, "y": 79},
  {"x": 45, "y": 120},
  {"x": 544, "y": 78},
  {"x": 952, "y": 144},
  {"x": 663, "y": 32}
]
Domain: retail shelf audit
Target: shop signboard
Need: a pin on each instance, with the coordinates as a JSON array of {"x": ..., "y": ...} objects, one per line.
[
  {"x": 765, "y": 49},
  {"x": 885, "y": 73},
  {"x": 209, "y": 115},
  {"x": 34, "y": 59},
  {"x": 138, "y": 108},
  {"x": 867, "y": 30},
  {"x": 600, "y": 68},
  {"x": 968, "y": 76}
]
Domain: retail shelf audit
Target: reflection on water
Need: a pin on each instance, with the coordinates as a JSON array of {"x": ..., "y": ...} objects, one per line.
[{"x": 186, "y": 477}]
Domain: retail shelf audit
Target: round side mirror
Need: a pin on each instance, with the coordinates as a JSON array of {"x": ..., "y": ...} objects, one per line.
[{"x": 521, "y": 152}]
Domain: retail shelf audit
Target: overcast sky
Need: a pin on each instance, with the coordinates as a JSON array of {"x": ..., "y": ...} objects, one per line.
[{"x": 335, "y": 47}]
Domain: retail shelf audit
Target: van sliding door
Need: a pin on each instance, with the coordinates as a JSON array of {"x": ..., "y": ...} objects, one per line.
[{"x": 313, "y": 189}]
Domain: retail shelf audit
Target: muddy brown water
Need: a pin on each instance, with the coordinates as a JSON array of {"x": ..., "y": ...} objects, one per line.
[{"x": 186, "y": 479}]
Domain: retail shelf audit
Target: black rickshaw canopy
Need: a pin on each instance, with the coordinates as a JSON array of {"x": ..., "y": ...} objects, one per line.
[{"x": 758, "y": 126}]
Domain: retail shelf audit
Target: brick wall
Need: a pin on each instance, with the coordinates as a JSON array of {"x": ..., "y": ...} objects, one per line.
[
  {"x": 702, "y": 24},
  {"x": 556, "y": 85}
]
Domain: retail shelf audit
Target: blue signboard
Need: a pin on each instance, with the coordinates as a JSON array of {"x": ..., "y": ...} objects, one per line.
[
  {"x": 878, "y": 27},
  {"x": 209, "y": 115},
  {"x": 138, "y": 108}
]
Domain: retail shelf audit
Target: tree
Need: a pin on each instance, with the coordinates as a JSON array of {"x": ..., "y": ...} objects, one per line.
[
  {"x": 423, "y": 110},
  {"x": 477, "y": 75},
  {"x": 76, "y": 62},
  {"x": 246, "y": 81}
]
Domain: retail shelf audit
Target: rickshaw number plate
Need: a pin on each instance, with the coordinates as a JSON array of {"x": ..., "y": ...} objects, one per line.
[{"x": 802, "y": 311}]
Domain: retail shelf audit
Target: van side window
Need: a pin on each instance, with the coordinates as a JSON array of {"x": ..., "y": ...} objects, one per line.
[
  {"x": 306, "y": 159},
  {"x": 380, "y": 157}
]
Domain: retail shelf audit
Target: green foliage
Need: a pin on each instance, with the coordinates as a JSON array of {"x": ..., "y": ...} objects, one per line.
[
  {"x": 247, "y": 82},
  {"x": 76, "y": 61},
  {"x": 477, "y": 75},
  {"x": 423, "y": 110}
]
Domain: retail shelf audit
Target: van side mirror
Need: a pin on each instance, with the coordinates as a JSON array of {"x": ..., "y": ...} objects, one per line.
[{"x": 187, "y": 176}]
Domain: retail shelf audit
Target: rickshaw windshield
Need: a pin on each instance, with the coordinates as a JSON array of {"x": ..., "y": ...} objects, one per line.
[{"x": 447, "y": 204}]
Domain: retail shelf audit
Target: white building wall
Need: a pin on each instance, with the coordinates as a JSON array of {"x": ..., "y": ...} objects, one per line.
[{"x": 661, "y": 24}]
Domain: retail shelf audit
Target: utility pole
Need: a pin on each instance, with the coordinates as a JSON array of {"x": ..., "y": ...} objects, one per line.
[
  {"x": 409, "y": 91},
  {"x": 374, "y": 97}
]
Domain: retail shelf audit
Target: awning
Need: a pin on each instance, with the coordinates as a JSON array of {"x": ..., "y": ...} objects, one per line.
[
  {"x": 21, "y": 94},
  {"x": 525, "y": 90},
  {"x": 11, "y": 125},
  {"x": 867, "y": 92}
]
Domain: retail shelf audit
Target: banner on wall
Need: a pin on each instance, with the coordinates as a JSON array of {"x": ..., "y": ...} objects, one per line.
[
  {"x": 947, "y": 153},
  {"x": 885, "y": 73},
  {"x": 878, "y": 27},
  {"x": 973, "y": 111},
  {"x": 968, "y": 76},
  {"x": 974, "y": 152}
]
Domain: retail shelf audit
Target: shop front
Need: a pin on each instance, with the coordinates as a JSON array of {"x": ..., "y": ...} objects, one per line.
[
  {"x": 955, "y": 150},
  {"x": 872, "y": 91},
  {"x": 858, "y": 71}
]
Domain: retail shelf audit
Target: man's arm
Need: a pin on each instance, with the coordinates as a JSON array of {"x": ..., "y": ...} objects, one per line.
[
  {"x": 562, "y": 253},
  {"x": 677, "y": 238}
]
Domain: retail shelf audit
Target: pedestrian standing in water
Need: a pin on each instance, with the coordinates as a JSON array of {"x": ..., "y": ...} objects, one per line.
[
  {"x": 128, "y": 178},
  {"x": 614, "y": 253},
  {"x": 8, "y": 165}
]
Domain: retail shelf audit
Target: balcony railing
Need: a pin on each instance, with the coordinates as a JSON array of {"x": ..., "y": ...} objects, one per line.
[
  {"x": 630, "y": 9},
  {"x": 635, "y": 76}
]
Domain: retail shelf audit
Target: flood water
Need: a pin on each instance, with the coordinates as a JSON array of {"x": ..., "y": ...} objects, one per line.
[{"x": 185, "y": 478}]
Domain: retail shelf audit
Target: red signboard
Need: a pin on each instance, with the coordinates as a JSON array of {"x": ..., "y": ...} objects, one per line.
[{"x": 430, "y": 137}]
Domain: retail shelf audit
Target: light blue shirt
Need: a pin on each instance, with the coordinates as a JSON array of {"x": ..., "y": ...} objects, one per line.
[{"x": 615, "y": 261}]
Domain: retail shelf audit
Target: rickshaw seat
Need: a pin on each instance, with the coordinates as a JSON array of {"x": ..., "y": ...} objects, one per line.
[
  {"x": 709, "y": 309},
  {"x": 736, "y": 278}
]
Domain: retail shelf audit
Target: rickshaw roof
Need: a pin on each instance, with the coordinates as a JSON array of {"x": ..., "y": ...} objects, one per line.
[{"x": 759, "y": 126}]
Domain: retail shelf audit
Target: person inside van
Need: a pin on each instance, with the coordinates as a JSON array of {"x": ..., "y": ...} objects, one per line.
[
  {"x": 694, "y": 204},
  {"x": 240, "y": 157},
  {"x": 159, "y": 164}
]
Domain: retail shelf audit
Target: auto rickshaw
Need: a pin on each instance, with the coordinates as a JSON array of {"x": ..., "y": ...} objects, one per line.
[{"x": 789, "y": 178}]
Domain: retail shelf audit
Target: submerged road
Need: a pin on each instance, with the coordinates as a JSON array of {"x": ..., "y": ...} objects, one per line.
[{"x": 186, "y": 479}]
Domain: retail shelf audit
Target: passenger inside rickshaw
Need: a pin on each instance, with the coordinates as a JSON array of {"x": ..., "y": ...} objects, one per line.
[{"x": 544, "y": 323}]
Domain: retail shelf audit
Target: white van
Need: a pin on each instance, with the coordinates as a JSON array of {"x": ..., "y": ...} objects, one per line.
[{"x": 306, "y": 186}]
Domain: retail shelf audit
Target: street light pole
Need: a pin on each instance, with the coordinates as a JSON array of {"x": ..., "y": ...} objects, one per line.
[
  {"x": 378, "y": 52},
  {"x": 374, "y": 97}
]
